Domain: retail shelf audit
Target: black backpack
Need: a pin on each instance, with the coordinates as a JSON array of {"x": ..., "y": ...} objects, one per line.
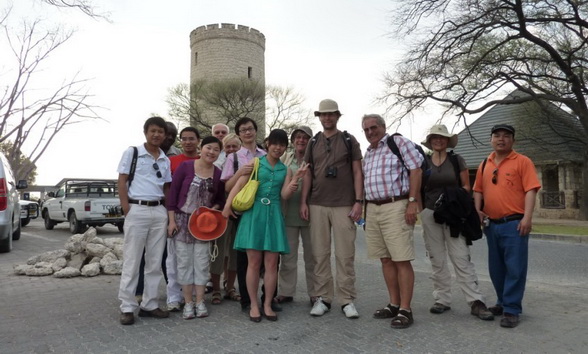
[{"x": 424, "y": 166}]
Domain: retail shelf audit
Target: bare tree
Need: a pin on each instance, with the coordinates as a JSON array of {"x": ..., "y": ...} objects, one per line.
[
  {"x": 85, "y": 6},
  {"x": 205, "y": 103},
  {"x": 285, "y": 108},
  {"x": 29, "y": 116},
  {"x": 465, "y": 53}
]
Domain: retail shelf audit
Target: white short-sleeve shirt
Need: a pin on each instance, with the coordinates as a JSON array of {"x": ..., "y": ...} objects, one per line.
[{"x": 146, "y": 185}]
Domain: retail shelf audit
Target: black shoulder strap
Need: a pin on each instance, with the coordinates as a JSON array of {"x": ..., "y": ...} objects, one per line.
[
  {"x": 235, "y": 163},
  {"x": 455, "y": 163},
  {"x": 394, "y": 148},
  {"x": 312, "y": 144},
  {"x": 133, "y": 166},
  {"x": 347, "y": 140}
]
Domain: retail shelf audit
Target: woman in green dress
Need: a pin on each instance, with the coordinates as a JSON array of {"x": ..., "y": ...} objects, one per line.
[{"x": 261, "y": 231}]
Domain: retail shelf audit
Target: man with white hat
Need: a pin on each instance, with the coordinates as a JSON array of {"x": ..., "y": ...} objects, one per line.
[{"x": 332, "y": 198}]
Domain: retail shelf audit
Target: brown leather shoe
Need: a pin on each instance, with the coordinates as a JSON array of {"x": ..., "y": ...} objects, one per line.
[
  {"x": 479, "y": 309},
  {"x": 127, "y": 318},
  {"x": 157, "y": 313},
  {"x": 509, "y": 320}
]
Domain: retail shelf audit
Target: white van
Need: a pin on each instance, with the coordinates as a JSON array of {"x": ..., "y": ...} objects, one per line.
[{"x": 9, "y": 207}]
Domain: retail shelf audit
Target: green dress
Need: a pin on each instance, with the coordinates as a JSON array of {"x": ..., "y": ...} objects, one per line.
[{"x": 262, "y": 227}]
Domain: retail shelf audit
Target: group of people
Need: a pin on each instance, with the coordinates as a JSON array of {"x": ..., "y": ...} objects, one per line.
[{"x": 317, "y": 193}]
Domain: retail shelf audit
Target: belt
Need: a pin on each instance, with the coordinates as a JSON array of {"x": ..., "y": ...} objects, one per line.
[
  {"x": 147, "y": 202},
  {"x": 389, "y": 200},
  {"x": 512, "y": 217}
]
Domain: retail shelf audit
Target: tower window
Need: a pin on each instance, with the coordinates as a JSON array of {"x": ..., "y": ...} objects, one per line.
[
  {"x": 249, "y": 72},
  {"x": 195, "y": 58}
]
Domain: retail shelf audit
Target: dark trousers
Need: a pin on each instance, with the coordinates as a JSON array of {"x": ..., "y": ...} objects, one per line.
[{"x": 140, "y": 284}]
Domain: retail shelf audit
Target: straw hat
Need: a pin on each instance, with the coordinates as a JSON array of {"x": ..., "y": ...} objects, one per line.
[
  {"x": 207, "y": 224},
  {"x": 440, "y": 130}
]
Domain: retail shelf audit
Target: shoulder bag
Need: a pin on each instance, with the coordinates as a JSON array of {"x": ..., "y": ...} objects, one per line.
[{"x": 244, "y": 199}]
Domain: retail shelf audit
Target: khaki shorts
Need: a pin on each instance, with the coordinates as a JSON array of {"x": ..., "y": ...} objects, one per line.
[{"x": 386, "y": 232}]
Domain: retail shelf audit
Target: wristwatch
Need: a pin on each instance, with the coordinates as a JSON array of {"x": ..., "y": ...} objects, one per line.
[{"x": 411, "y": 199}]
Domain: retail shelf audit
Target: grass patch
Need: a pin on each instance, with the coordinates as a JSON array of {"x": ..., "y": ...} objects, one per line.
[{"x": 560, "y": 230}]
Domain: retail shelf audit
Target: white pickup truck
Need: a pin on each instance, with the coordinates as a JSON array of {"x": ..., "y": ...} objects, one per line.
[{"x": 82, "y": 203}]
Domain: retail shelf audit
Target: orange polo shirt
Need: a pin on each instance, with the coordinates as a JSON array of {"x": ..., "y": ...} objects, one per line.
[{"x": 516, "y": 175}]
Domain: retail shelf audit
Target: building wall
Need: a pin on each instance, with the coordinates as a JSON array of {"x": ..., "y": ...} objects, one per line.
[{"x": 228, "y": 51}]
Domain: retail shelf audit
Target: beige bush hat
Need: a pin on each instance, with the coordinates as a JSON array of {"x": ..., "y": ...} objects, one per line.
[
  {"x": 327, "y": 106},
  {"x": 440, "y": 130}
]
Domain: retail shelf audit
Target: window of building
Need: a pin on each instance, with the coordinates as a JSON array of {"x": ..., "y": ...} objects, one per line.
[
  {"x": 195, "y": 58},
  {"x": 249, "y": 72}
]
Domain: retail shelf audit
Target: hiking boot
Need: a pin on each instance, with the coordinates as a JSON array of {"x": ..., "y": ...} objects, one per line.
[
  {"x": 509, "y": 320},
  {"x": 479, "y": 309},
  {"x": 496, "y": 310},
  {"x": 439, "y": 308},
  {"x": 319, "y": 308},
  {"x": 127, "y": 318},
  {"x": 157, "y": 313}
]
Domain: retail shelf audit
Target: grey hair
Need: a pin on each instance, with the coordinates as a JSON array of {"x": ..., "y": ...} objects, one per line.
[
  {"x": 379, "y": 120},
  {"x": 220, "y": 124}
]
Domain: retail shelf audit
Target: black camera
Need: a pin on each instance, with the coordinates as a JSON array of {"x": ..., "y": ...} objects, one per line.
[{"x": 331, "y": 172}]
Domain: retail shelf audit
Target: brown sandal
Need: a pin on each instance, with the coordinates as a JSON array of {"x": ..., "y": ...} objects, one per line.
[
  {"x": 388, "y": 311},
  {"x": 402, "y": 320},
  {"x": 233, "y": 295},
  {"x": 216, "y": 298}
]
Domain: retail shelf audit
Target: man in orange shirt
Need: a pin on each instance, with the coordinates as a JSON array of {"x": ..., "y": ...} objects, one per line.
[{"x": 507, "y": 184}]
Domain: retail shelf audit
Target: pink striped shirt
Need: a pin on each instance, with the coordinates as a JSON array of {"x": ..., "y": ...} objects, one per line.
[{"x": 385, "y": 177}]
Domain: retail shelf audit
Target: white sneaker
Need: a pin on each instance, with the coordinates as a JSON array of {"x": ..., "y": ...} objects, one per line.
[
  {"x": 319, "y": 308},
  {"x": 188, "y": 313},
  {"x": 201, "y": 310},
  {"x": 350, "y": 311},
  {"x": 175, "y": 306}
]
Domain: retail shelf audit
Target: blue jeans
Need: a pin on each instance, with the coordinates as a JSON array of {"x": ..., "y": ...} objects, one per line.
[{"x": 508, "y": 253}]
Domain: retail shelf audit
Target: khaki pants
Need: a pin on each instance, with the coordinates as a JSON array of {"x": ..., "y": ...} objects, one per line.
[
  {"x": 322, "y": 221},
  {"x": 289, "y": 262},
  {"x": 439, "y": 244}
]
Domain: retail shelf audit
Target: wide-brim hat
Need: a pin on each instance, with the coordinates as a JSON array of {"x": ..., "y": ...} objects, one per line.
[
  {"x": 207, "y": 224},
  {"x": 327, "y": 106},
  {"x": 440, "y": 130},
  {"x": 302, "y": 128}
]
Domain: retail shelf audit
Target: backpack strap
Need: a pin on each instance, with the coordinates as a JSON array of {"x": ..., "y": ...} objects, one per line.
[
  {"x": 133, "y": 166},
  {"x": 395, "y": 150},
  {"x": 310, "y": 156},
  {"x": 235, "y": 163},
  {"x": 347, "y": 140},
  {"x": 455, "y": 162}
]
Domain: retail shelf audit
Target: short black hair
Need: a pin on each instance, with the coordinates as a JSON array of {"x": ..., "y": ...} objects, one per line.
[
  {"x": 211, "y": 139},
  {"x": 190, "y": 129},
  {"x": 242, "y": 121},
  {"x": 277, "y": 137},
  {"x": 158, "y": 121}
]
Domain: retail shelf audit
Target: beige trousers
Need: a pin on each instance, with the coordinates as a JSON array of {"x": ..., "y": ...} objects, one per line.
[{"x": 289, "y": 262}]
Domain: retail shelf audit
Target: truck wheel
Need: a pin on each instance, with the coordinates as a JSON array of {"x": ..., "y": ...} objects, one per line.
[
  {"x": 75, "y": 226},
  {"x": 16, "y": 233},
  {"x": 6, "y": 244},
  {"x": 120, "y": 226},
  {"x": 48, "y": 222},
  {"x": 25, "y": 222}
]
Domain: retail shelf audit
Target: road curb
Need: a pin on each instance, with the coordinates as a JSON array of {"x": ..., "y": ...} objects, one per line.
[{"x": 561, "y": 238}]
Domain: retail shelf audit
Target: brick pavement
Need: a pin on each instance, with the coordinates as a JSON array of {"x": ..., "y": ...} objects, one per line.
[{"x": 48, "y": 315}]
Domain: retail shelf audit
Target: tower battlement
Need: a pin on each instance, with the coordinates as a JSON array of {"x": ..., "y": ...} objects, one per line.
[{"x": 228, "y": 31}]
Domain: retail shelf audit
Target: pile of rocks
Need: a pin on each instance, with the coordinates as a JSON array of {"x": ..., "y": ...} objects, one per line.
[{"x": 84, "y": 254}]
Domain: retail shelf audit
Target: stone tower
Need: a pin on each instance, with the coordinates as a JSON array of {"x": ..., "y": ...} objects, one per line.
[{"x": 228, "y": 52}]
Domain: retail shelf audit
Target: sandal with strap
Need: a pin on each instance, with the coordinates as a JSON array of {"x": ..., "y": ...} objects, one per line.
[
  {"x": 233, "y": 295},
  {"x": 388, "y": 311},
  {"x": 402, "y": 320},
  {"x": 216, "y": 298}
]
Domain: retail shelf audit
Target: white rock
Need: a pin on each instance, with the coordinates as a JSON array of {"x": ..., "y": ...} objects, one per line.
[
  {"x": 77, "y": 260},
  {"x": 97, "y": 250},
  {"x": 75, "y": 238},
  {"x": 97, "y": 240},
  {"x": 113, "y": 268},
  {"x": 67, "y": 272},
  {"x": 91, "y": 270},
  {"x": 59, "y": 264},
  {"x": 95, "y": 260},
  {"x": 40, "y": 269},
  {"x": 21, "y": 269},
  {"x": 118, "y": 251},
  {"x": 49, "y": 256},
  {"x": 110, "y": 242}
]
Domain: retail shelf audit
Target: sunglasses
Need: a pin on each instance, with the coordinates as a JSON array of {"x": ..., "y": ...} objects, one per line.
[
  {"x": 495, "y": 176},
  {"x": 156, "y": 168}
]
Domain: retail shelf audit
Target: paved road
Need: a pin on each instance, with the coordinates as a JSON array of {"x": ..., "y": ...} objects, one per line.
[{"x": 45, "y": 315}]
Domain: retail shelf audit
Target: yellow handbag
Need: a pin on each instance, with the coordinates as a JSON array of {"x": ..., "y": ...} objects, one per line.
[{"x": 246, "y": 196}]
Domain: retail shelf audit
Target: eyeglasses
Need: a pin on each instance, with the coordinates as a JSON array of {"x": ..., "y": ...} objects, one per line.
[
  {"x": 495, "y": 176},
  {"x": 156, "y": 168},
  {"x": 245, "y": 130}
]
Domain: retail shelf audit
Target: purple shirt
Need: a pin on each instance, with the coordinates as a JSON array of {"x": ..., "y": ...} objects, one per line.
[{"x": 180, "y": 185}]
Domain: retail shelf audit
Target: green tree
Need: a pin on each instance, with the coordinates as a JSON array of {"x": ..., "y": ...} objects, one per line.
[
  {"x": 19, "y": 163},
  {"x": 466, "y": 53}
]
